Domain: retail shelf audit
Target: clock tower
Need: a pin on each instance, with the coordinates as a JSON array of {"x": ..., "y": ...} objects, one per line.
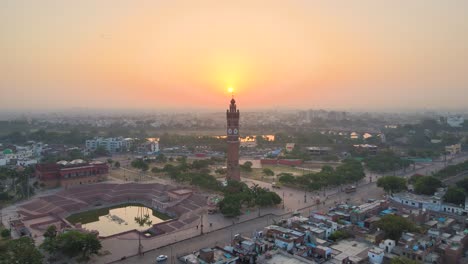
[{"x": 232, "y": 116}]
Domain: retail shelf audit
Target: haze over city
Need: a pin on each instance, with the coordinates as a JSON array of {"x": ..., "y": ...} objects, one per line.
[{"x": 185, "y": 54}]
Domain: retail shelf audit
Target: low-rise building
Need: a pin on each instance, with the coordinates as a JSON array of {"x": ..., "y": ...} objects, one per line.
[
  {"x": 433, "y": 203},
  {"x": 75, "y": 172}
]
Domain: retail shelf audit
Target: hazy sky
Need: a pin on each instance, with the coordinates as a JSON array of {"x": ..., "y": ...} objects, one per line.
[{"x": 151, "y": 54}]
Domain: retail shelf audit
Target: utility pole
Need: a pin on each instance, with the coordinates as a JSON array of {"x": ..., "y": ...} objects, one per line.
[
  {"x": 201, "y": 224},
  {"x": 305, "y": 188},
  {"x": 283, "y": 199}
]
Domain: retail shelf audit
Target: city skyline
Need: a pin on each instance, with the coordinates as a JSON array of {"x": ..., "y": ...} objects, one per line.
[{"x": 180, "y": 55}]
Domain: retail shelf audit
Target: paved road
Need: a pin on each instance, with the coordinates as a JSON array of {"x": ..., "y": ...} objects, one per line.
[{"x": 219, "y": 238}]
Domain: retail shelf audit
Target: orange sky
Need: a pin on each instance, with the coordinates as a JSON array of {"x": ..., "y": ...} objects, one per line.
[{"x": 185, "y": 54}]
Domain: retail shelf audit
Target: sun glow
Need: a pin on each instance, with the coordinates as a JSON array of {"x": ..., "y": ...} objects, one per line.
[{"x": 230, "y": 90}]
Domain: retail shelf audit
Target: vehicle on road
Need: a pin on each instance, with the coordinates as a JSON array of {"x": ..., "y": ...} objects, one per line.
[
  {"x": 161, "y": 258},
  {"x": 275, "y": 185},
  {"x": 350, "y": 189}
]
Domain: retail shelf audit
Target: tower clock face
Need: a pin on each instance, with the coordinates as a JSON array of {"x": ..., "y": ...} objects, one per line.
[
  {"x": 229, "y": 131},
  {"x": 236, "y": 131}
]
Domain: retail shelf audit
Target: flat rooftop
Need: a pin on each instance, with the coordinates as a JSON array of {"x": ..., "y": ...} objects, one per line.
[{"x": 282, "y": 259}]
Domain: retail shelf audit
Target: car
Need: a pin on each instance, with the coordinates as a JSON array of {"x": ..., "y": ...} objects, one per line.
[{"x": 161, "y": 258}]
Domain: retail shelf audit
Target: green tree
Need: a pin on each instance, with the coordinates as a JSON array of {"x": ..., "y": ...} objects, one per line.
[
  {"x": 221, "y": 171},
  {"x": 161, "y": 158},
  {"x": 286, "y": 178},
  {"x": 427, "y": 185},
  {"x": 392, "y": 184},
  {"x": 21, "y": 250},
  {"x": 140, "y": 164},
  {"x": 394, "y": 226},
  {"x": 72, "y": 243},
  {"x": 339, "y": 234},
  {"x": 463, "y": 183},
  {"x": 386, "y": 161},
  {"x": 117, "y": 164},
  {"x": 455, "y": 195},
  {"x": 268, "y": 172},
  {"x": 51, "y": 232},
  {"x": 5, "y": 233},
  {"x": 230, "y": 206},
  {"x": 247, "y": 166}
]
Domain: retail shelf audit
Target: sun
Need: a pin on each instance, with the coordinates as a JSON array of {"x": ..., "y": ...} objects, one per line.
[{"x": 230, "y": 89}]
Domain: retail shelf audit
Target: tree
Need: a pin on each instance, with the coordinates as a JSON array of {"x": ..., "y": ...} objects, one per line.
[
  {"x": 161, "y": 158},
  {"x": 51, "y": 232},
  {"x": 140, "y": 164},
  {"x": 117, "y": 164},
  {"x": 463, "y": 183},
  {"x": 339, "y": 234},
  {"x": 392, "y": 184},
  {"x": 230, "y": 206},
  {"x": 427, "y": 185},
  {"x": 394, "y": 226},
  {"x": 247, "y": 166},
  {"x": 72, "y": 243},
  {"x": 268, "y": 172},
  {"x": 286, "y": 178},
  {"x": 386, "y": 161},
  {"x": 221, "y": 171},
  {"x": 21, "y": 250},
  {"x": 5, "y": 233},
  {"x": 455, "y": 195}
]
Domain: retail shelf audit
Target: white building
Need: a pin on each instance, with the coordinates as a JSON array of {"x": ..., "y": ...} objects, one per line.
[
  {"x": 453, "y": 149},
  {"x": 433, "y": 203},
  {"x": 376, "y": 255},
  {"x": 455, "y": 121},
  {"x": 112, "y": 145}
]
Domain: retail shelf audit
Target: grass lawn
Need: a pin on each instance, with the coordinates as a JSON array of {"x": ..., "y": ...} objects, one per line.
[
  {"x": 257, "y": 174},
  {"x": 94, "y": 214}
]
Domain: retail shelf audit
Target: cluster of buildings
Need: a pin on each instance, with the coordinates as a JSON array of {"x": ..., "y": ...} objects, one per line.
[
  {"x": 14, "y": 155},
  {"x": 111, "y": 145},
  {"x": 300, "y": 239},
  {"x": 433, "y": 203},
  {"x": 121, "y": 144}
]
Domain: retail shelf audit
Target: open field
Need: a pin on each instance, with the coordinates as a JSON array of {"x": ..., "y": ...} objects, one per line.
[{"x": 257, "y": 173}]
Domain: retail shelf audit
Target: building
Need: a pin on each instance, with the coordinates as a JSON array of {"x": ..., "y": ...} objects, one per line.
[
  {"x": 453, "y": 149},
  {"x": 150, "y": 147},
  {"x": 75, "y": 172},
  {"x": 318, "y": 150},
  {"x": 290, "y": 147},
  {"x": 433, "y": 203},
  {"x": 455, "y": 121},
  {"x": 112, "y": 145},
  {"x": 232, "y": 117}
]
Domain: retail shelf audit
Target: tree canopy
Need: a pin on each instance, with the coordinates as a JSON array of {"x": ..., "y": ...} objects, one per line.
[
  {"x": 385, "y": 162},
  {"x": 427, "y": 185},
  {"x": 21, "y": 250},
  {"x": 455, "y": 195},
  {"x": 392, "y": 184},
  {"x": 394, "y": 226},
  {"x": 73, "y": 244},
  {"x": 350, "y": 171}
]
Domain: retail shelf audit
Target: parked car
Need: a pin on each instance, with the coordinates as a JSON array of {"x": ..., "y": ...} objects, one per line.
[{"x": 161, "y": 258}]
